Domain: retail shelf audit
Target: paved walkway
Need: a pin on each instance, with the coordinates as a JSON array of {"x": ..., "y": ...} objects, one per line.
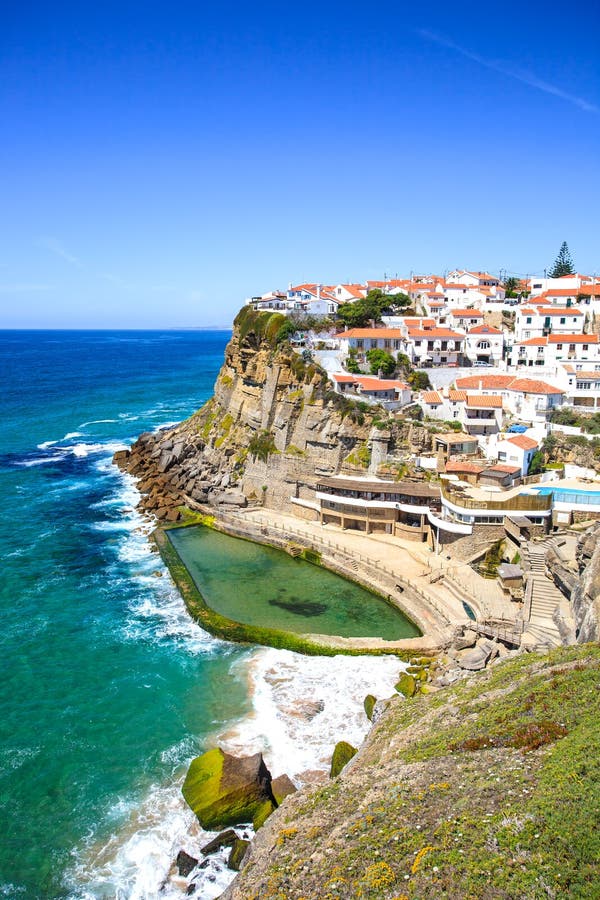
[{"x": 445, "y": 581}]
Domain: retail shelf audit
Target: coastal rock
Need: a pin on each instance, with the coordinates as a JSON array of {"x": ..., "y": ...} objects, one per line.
[
  {"x": 407, "y": 685},
  {"x": 224, "y": 839},
  {"x": 369, "y": 705},
  {"x": 231, "y": 498},
  {"x": 342, "y": 755},
  {"x": 468, "y": 638},
  {"x": 185, "y": 863},
  {"x": 238, "y": 852},
  {"x": 476, "y": 659},
  {"x": 282, "y": 787},
  {"x": 226, "y": 790}
]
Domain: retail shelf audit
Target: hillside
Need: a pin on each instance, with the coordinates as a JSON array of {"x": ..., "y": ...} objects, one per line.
[{"x": 486, "y": 789}]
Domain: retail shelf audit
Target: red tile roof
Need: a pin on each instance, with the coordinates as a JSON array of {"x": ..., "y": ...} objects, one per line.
[
  {"x": 507, "y": 382},
  {"x": 522, "y": 441},
  {"x": 372, "y": 333},
  {"x": 484, "y": 329},
  {"x": 467, "y": 313},
  {"x": 484, "y": 401},
  {"x": 431, "y": 397},
  {"x": 466, "y": 466},
  {"x": 456, "y": 396}
]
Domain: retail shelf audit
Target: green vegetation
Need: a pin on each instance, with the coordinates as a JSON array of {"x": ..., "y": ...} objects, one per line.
[
  {"x": 487, "y": 790},
  {"x": 381, "y": 360},
  {"x": 563, "y": 264},
  {"x": 419, "y": 380},
  {"x": 352, "y": 363},
  {"x": 566, "y": 415},
  {"x": 360, "y": 313},
  {"x": 492, "y": 559},
  {"x": 537, "y": 463},
  {"x": 262, "y": 445},
  {"x": 360, "y": 456},
  {"x": 511, "y": 286}
]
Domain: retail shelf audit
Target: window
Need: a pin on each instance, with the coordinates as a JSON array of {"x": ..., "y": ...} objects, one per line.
[
  {"x": 559, "y": 346},
  {"x": 360, "y": 344},
  {"x": 483, "y": 345},
  {"x": 564, "y": 321},
  {"x": 374, "y": 344},
  {"x": 585, "y": 347},
  {"x": 528, "y": 320},
  {"x": 387, "y": 343}
]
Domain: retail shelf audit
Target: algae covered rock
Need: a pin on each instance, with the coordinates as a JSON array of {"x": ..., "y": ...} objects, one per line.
[
  {"x": 342, "y": 755},
  {"x": 226, "y": 790},
  {"x": 406, "y": 685},
  {"x": 238, "y": 850},
  {"x": 262, "y": 813},
  {"x": 369, "y": 705}
]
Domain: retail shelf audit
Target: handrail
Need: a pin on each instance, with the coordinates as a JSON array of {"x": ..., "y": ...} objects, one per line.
[{"x": 517, "y": 502}]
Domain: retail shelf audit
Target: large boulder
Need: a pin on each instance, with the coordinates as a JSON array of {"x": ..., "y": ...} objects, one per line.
[
  {"x": 238, "y": 851},
  {"x": 281, "y": 787},
  {"x": 407, "y": 685},
  {"x": 342, "y": 755},
  {"x": 226, "y": 790}
]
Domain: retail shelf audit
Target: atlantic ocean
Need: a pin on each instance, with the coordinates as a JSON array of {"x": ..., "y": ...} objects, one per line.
[{"x": 108, "y": 688}]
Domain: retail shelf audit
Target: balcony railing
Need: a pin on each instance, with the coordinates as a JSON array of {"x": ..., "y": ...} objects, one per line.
[{"x": 521, "y": 502}]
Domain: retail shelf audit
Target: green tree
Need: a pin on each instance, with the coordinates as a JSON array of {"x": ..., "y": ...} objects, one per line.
[
  {"x": 381, "y": 359},
  {"x": 360, "y": 313},
  {"x": 511, "y": 286},
  {"x": 419, "y": 380},
  {"x": 563, "y": 265},
  {"x": 537, "y": 463}
]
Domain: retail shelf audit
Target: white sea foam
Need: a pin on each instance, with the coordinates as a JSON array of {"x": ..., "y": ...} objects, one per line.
[
  {"x": 134, "y": 863},
  {"x": 97, "y": 422},
  {"x": 303, "y": 705}
]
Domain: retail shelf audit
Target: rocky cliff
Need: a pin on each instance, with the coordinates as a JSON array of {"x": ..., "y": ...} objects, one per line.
[
  {"x": 271, "y": 428},
  {"x": 486, "y": 789}
]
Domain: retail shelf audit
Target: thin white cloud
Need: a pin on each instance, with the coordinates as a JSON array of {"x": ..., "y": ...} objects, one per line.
[
  {"x": 55, "y": 246},
  {"x": 127, "y": 286},
  {"x": 511, "y": 71},
  {"x": 23, "y": 288}
]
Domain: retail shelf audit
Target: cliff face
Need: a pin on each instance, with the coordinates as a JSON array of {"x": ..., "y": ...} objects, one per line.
[
  {"x": 485, "y": 789},
  {"x": 585, "y": 596},
  {"x": 270, "y": 429}
]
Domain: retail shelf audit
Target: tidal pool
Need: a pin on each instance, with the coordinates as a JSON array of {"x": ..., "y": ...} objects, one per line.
[{"x": 264, "y": 587}]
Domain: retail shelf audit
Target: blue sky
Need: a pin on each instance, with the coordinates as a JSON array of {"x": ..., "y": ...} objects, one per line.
[{"x": 161, "y": 162}]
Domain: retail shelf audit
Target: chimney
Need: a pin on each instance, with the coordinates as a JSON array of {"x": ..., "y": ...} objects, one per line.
[{"x": 480, "y": 384}]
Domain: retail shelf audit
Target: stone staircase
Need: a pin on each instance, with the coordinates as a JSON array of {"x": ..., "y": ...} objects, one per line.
[{"x": 545, "y": 597}]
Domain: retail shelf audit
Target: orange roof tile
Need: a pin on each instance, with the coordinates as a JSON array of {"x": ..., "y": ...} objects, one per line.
[
  {"x": 484, "y": 401},
  {"x": 464, "y": 313},
  {"x": 489, "y": 382},
  {"x": 431, "y": 397},
  {"x": 372, "y": 333},
  {"x": 533, "y": 386},
  {"x": 457, "y": 396},
  {"x": 484, "y": 329},
  {"x": 457, "y": 466},
  {"x": 435, "y": 333},
  {"x": 502, "y": 467},
  {"x": 380, "y": 384},
  {"x": 522, "y": 441}
]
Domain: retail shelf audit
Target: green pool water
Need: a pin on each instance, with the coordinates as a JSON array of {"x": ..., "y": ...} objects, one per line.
[{"x": 262, "y": 586}]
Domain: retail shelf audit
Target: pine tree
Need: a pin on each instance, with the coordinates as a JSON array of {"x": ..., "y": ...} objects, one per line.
[{"x": 563, "y": 264}]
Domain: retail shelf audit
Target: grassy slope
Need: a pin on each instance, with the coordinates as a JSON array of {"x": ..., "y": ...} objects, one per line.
[{"x": 487, "y": 789}]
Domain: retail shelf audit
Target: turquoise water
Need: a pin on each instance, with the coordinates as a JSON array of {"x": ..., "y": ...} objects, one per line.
[
  {"x": 107, "y": 687},
  {"x": 282, "y": 592},
  {"x": 571, "y": 495}
]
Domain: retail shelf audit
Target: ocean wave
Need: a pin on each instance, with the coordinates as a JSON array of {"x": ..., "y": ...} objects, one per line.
[
  {"x": 134, "y": 862},
  {"x": 303, "y": 705},
  {"x": 97, "y": 422}
]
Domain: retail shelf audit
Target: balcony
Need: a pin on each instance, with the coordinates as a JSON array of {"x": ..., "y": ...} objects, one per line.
[{"x": 516, "y": 502}]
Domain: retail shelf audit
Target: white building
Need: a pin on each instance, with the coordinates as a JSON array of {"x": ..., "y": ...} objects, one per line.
[
  {"x": 528, "y": 399},
  {"x": 553, "y": 349},
  {"x": 538, "y": 321},
  {"x": 485, "y": 344},
  {"x": 517, "y": 449},
  {"x": 385, "y": 390},
  {"x": 435, "y": 345}
]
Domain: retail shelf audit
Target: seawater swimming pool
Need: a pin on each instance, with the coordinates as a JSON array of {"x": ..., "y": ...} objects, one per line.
[
  {"x": 262, "y": 586},
  {"x": 571, "y": 495}
]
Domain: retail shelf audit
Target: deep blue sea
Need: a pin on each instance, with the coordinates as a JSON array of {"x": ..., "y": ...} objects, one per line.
[{"x": 108, "y": 689}]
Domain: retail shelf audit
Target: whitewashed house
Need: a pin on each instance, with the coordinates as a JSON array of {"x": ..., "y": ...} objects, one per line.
[
  {"x": 550, "y": 351},
  {"x": 518, "y": 450},
  {"x": 539, "y": 321},
  {"x": 485, "y": 344},
  {"x": 528, "y": 399}
]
